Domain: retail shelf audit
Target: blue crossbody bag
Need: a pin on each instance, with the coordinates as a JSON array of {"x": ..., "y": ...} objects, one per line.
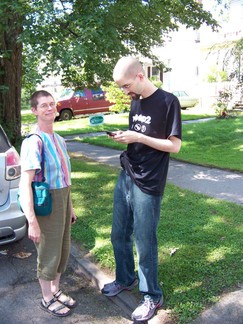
[{"x": 41, "y": 191}]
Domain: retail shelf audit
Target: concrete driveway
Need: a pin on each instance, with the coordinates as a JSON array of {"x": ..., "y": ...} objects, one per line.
[{"x": 20, "y": 292}]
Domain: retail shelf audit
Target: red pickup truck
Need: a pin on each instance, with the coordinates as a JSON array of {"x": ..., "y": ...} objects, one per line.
[{"x": 78, "y": 102}]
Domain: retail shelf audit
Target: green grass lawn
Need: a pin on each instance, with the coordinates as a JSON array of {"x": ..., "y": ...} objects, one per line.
[
  {"x": 216, "y": 143},
  {"x": 79, "y": 125},
  {"x": 111, "y": 121},
  {"x": 206, "y": 232}
]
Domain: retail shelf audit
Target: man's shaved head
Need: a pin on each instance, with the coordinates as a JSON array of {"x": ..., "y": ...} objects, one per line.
[{"x": 127, "y": 67}]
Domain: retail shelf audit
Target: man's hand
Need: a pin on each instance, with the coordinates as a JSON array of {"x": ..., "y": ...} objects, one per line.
[
  {"x": 170, "y": 145},
  {"x": 126, "y": 137}
]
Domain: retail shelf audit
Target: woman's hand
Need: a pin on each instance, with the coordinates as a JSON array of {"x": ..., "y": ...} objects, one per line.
[
  {"x": 34, "y": 232},
  {"x": 74, "y": 217}
]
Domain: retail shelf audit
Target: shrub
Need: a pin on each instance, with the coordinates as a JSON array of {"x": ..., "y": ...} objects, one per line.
[
  {"x": 221, "y": 106},
  {"x": 118, "y": 97}
]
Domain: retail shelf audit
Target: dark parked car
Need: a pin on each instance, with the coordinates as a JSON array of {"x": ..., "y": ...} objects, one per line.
[
  {"x": 78, "y": 102},
  {"x": 12, "y": 220}
]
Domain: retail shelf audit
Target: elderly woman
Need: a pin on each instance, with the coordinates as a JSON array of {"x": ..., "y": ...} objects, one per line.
[{"x": 51, "y": 233}]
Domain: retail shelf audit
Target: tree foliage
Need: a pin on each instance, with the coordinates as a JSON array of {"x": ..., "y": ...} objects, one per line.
[
  {"x": 230, "y": 53},
  {"x": 82, "y": 39},
  {"x": 237, "y": 53}
]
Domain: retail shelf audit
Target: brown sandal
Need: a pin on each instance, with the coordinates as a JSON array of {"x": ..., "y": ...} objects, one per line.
[
  {"x": 66, "y": 301},
  {"x": 55, "y": 311}
]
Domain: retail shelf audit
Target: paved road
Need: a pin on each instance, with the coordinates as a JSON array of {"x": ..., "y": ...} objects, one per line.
[{"x": 20, "y": 292}]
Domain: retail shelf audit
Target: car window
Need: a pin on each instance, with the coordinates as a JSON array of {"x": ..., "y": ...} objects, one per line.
[
  {"x": 180, "y": 93},
  {"x": 66, "y": 94},
  {"x": 97, "y": 94},
  {"x": 79, "y": 93},
  {"x": 4, "y": 142}
]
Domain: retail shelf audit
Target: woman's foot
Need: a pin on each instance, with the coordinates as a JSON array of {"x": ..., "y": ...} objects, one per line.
[
  {"x": 65, "y": 299},
  {"x": 55, "y": 307}
]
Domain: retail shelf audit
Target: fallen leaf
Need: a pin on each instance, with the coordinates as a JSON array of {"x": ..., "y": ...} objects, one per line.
[
  {"x": 173, "y": 251},
  {"x": 22, "y": 255}
]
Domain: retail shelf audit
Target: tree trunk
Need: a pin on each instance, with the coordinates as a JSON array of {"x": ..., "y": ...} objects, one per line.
[{"x": 10, "y": 74}]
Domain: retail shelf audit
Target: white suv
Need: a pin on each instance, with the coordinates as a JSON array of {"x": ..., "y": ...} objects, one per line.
[{"x": 12, "y": 220}]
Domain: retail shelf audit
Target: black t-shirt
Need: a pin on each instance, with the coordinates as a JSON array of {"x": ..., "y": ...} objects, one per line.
[{"x": 157, "y": 116}]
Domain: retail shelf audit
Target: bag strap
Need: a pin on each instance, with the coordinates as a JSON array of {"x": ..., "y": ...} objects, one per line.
[{"x": 42, "y": 156}]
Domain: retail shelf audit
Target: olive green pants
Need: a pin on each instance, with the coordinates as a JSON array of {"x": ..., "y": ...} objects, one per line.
[{"x": 54, "y": 247}]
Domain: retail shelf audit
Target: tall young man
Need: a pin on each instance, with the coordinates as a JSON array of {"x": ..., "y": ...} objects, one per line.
[{"x": 154, "y": 132}]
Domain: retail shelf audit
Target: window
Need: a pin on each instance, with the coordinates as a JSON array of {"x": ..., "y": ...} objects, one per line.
[{"x": 79, "y": 93}]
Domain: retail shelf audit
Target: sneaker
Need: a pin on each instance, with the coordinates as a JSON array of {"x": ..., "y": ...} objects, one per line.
[
  {"x": 114, "y": 288},
  {"x": 146, "y": 309}
]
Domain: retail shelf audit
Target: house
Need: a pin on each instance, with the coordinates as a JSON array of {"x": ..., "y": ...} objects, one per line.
[{"x": 192, "y": 55}]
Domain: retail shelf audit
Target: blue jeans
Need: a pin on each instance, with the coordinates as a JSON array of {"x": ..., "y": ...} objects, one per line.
[{"x": 136, "y": 212}]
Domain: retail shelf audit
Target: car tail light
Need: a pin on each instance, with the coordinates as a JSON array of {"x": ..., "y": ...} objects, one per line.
[{"x": 13, "y": 168}]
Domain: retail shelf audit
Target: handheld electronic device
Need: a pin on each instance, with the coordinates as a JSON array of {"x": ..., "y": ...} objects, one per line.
[{"x": 110, "y": 133}]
